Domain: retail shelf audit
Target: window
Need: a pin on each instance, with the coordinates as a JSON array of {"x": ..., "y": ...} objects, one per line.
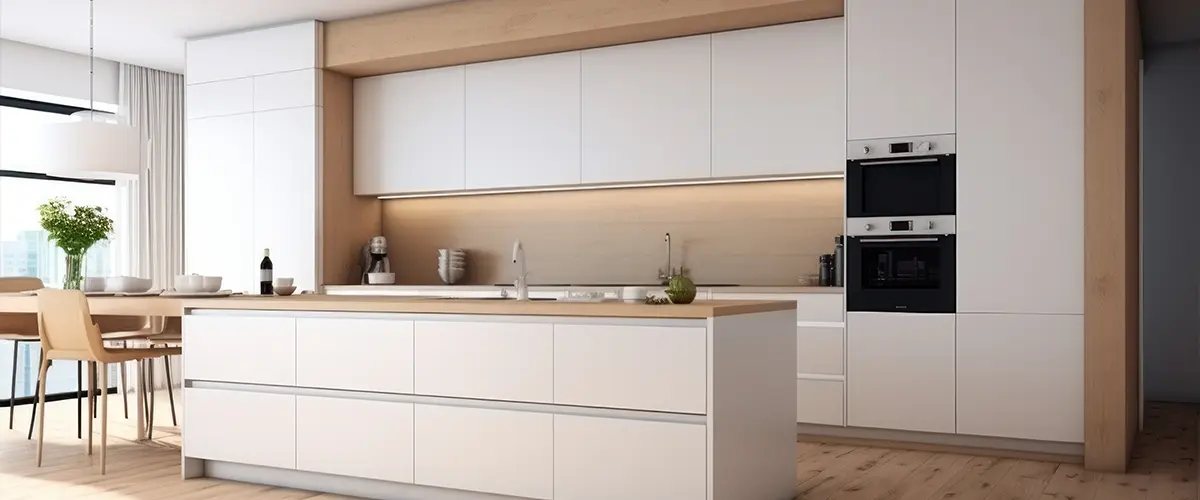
[{"x": 25, "y": 249}]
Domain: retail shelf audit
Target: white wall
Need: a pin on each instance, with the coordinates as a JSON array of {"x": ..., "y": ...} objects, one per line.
[{"x": 55, "y": 75}]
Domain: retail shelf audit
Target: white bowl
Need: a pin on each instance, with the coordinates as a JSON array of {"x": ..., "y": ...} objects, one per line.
[
  {"x": 450, "y": 276},
  {"x": 124, "y": 284},
  {"x": 284, "y": 282},
  {"x": 189, "y": 283},
  {"x": 284, "y": 291},
  {"x": 94, "y": 284},
  {"x": 210, "y": 284},
  {"x": 381, "y": 278}
]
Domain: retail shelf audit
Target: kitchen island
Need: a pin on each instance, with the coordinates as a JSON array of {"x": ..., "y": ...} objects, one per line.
[{"x": 411, "y": 397}]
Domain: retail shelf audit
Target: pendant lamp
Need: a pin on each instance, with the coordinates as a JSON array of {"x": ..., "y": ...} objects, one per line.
[{"x": 88, "y": 147}]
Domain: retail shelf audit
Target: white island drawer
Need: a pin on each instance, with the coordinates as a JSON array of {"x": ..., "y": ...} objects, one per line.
[
  {"x": 482, "y": 360},
  {"x": 240, "y": 427},
  {"x": 819, "y": 350},
  {"x": 607, "y": 459},
  {"x": 355, "y": 354},
  {"x": 350, "y": 437},
  {"x": 491, "y": 451},
  {"x": 631, "y": 367},
  {"x": 243, "y": 349}
]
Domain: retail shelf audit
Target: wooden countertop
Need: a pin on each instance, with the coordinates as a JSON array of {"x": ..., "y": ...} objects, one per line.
[
  {"x": 431, "y": 305},
  {"x": 170, "y": 306},
  {"x": 386, "y": 289}
]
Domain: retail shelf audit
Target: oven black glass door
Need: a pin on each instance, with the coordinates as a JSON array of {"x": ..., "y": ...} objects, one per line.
[
  {"x": 903, "y": 274},
  {"x": 901, "y": 187}
]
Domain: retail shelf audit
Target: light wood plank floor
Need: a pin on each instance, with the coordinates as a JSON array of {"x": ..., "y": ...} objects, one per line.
[{"x": 1164, "y": 468}]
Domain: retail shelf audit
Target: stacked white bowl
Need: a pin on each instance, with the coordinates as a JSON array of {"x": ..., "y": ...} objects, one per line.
[{"x": 452, "y": 264}]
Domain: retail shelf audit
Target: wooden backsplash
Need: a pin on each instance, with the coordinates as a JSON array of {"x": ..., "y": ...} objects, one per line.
[{"x": 751, "y": 234}]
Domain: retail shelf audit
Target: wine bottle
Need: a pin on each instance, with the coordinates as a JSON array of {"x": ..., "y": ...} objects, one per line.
[{"x": 266, "y": 274}]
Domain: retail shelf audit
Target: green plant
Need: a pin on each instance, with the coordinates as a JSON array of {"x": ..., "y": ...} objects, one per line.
[{"x": 74, "y": 228}]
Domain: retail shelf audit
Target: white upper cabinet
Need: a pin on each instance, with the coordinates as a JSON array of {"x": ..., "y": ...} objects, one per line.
[
  {"x": 523, "y": 120},
  {"x": 218, "y": 179},
  {"x": 285, "y": 192},
  {"x": 900, "y": 67},
  {"x": 286, "y": 90},
  {"x": 252, "y": 53},
  {"x": 226, "y": 97},
  {"x": 647, "y": 111},
  {"x": 1020, "y": 155},
  {"x": 778, "y": 100},
  {"x": 409, "y": 132}
]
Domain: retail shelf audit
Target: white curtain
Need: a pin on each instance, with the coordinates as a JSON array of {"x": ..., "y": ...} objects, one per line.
[{"x": 152, "y": 101}]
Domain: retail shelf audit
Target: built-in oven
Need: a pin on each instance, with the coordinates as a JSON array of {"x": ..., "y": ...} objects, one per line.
[
  {"x": 900, "y": 177},
  {"x": 900, "y": 264}
]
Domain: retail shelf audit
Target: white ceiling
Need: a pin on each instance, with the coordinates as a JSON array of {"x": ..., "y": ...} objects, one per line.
[{"x": 152, "y": 32}]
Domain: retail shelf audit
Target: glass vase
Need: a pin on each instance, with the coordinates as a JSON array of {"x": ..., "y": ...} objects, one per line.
[{"x": 73, "y": 278}]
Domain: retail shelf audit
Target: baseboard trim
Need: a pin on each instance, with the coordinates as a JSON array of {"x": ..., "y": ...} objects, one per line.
[
  {"x": 1024, "y": 449},
  {"x": 338, "y": 485}
]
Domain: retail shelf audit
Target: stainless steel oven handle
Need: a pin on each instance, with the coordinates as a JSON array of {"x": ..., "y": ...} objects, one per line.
[
  {"x": 898, "y": 162},
  {"x": 898, "y": 240}
]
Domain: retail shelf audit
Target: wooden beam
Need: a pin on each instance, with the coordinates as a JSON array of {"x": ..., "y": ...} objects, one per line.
[
  {"x": 1111, "y": 165},
  {"x": 347, "y": 221},
  {"x": 485, "y": 30}
]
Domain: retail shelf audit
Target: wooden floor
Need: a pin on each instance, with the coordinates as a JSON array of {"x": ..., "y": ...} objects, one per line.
[{"x": 1164, "y": 468}]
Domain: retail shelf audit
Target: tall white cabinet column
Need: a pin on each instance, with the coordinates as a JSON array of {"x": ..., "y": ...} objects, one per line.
[{"x": 253, "y": 154}]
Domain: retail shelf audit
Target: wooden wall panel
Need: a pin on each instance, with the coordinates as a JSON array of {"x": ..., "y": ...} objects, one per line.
[
  {"x": 1111, "y": 166},
  {"x": 752, "y": 234},
  {"x": 347, "y": 221},
  {"x": 485, "y": 30}
]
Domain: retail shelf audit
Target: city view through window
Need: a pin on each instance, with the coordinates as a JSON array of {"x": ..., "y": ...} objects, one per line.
[{"x": 25, "y": 248}]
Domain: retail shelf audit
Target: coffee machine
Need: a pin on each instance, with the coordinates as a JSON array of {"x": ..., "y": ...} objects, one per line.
[{"x": 374, "y": 258}]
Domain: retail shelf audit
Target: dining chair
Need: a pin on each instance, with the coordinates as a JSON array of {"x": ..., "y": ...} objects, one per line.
[
  {"x": 17, "y": 328},
  {"x": 68, "y": 332},
  {"x": 164, "y": 331}
]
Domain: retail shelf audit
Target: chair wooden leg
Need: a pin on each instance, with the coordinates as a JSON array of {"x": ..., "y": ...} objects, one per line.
[
  {"x": 170, "y": 391},
  {"x": 12, "y": 398},
  {"x": 79, "y": 399},
  {"x": 91, "y": 395},
  {"x": 41, "y": 405},
  {"x": 150, "y": 398},
  {"x": 104, "y": 425},
  {"x": 33, "y": 415},
  {"x": 124, "y": 391}
]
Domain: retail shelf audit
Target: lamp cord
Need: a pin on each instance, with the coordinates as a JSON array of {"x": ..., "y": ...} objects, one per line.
[{"x": 92, "y": 60}]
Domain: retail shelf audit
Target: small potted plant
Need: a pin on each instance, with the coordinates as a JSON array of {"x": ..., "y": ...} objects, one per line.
[{"x": 74, "y": 229}]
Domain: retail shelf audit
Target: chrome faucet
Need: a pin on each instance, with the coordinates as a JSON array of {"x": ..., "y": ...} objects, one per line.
[
  {"x": 665, "y": 276},
  {"x": 519, "y": 260}
]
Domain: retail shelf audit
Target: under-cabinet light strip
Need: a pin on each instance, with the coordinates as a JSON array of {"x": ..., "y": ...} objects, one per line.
[{"x": 551, "y": 189}]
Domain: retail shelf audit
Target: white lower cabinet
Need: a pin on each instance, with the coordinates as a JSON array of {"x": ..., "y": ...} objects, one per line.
[
  {"x": 243, "y": 349},
  {"x": 485, "y": 360},
  {"x": 900, "y": 371},
  {"x": 228, "y": 426},
  {"x": 1021, "y": 376},
  {"x": 820, "y": 402},
  {"x": 349, "y": 437},
  {"x": 819, "y": 350},
  {"x": 491, "y": 451},
  {"x": 355, "y": 354},
  {"x": 606, "y": 459},
  {"x": 655, "y": 368}
]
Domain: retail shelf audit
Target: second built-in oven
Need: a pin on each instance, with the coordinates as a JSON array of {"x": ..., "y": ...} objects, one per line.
[{"x": 901, "y": 264}]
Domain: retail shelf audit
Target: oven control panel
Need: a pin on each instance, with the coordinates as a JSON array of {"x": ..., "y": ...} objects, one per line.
[
  {"x": 899, "y": 226},
  {"x": 900, "y": 147}
]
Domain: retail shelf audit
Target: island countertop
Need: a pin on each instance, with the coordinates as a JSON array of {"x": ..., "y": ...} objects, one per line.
[
  {"x": 699, "y": 309},
  {"x": 173, "y": 306}
]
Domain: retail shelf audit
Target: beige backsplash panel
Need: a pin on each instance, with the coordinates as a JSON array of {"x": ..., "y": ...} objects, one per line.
[{"x": 764, "y": 233}]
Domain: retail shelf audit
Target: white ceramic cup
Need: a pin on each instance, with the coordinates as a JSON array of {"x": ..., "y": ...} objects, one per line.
[
  {"x": 94, "y": 284},
  {"x": 189, "y": 283},
  {"x": 211, "y": 284},
  {"x": 283, "y": 282}
]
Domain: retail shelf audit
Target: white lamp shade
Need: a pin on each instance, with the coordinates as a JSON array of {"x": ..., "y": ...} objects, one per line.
[{"x": 85, "y": 148}]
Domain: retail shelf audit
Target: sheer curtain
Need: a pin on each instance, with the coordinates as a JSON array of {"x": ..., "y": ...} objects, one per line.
[{"x": 152, "y": 101}]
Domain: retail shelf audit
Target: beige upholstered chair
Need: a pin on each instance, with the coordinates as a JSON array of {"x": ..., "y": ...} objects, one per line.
[{"x": 68, "y": 332}]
